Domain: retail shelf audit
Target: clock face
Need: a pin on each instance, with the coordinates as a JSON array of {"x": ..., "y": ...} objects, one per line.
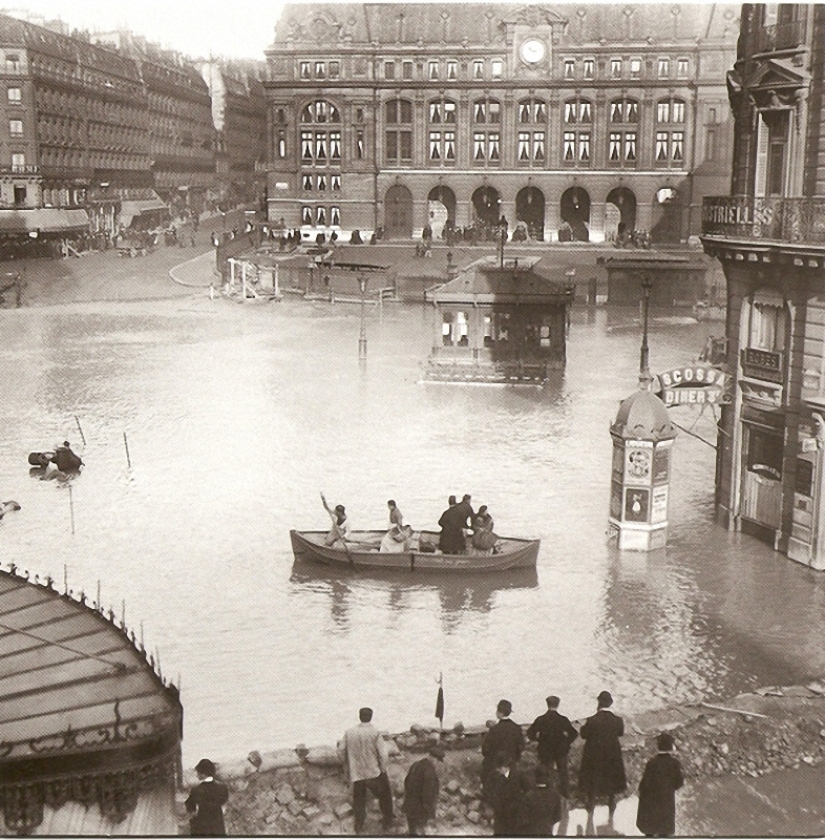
[{"x": 532, "y": 50}]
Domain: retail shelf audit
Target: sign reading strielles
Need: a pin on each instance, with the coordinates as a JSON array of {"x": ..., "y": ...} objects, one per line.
[{"x": 532, "y": 50}]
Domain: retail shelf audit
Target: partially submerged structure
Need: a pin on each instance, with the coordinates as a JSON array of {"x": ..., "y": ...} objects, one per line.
[
  {"x": 499, "y": 322},
  {"x": 90, "y": 732}
]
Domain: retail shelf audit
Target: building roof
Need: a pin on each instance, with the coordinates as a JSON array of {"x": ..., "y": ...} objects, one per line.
[
  {"x": 440, "y": 24},
  {"x": 523, "y": 280}
]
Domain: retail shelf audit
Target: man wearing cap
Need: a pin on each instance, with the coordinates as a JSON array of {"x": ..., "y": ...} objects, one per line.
[
  {"x": 421, "y": 792},
  {"x": 364, "y": 755},
  {"x": 554, "y": 734},
  {"x": 602, "y": 768},
  {"x": 205, "y": 803},
  {"x": 662, "y": 777},
  {"x": 505, "y": 736}
]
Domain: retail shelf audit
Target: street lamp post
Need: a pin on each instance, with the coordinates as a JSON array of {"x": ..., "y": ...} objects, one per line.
[
  {"x": 645, "y": 378},
  {"x": 362, "y": 338}
]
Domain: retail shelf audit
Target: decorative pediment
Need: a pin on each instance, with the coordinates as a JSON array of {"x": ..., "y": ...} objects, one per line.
[
  {"x": 537, "y": 15},
  {"x": 322, "y": 29},
  {"x": 777, "y": 75}
]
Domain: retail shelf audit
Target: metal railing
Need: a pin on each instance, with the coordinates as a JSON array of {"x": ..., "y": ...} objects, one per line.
[
  {"x": 797, "y": 220},
  {"x": 780, "y": 36}
]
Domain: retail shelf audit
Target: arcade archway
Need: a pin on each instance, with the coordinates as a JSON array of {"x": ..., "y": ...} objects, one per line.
[
  {"x": 398, "y": 212},
  {"x": 530, "y": 211},
  {"x": 624, "y": 200},
  {"x": 487, "y": 208},
  {"x": 441, "y": 209},
  {"x": 574, "y": 209}
]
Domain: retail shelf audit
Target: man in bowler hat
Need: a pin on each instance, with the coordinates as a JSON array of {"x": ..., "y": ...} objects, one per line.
[
  {"x": 421, "y": 788},
  {"x": 602, "y": 768},
  {"x": 661, "y": 779},
  {"x": 205, "y": 803},
  {"x": 505, "y": 736},
  {"x": 554, "y": 734}
]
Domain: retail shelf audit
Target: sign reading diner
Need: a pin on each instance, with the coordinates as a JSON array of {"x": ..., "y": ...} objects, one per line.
[{"x": 693, "y": 384}]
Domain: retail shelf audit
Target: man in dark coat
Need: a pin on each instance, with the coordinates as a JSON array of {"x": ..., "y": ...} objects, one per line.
[
  {"x": 661, "y": 779},
  {"x": 542, "y": 806},
  {"x": 452, "y": 539},
  {"x": 467, "y": 512},
  {"x": 602, "y": 768},
  {"x": 504, "y": 737},
  {"x": 421, "y": 792},
  {"x": 554, "y": 734},
  {"x": 205, "y": 803},
  {"x": 506, "y": 790}
]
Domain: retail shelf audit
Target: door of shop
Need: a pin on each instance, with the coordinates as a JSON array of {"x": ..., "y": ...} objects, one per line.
[{"x": 761, "y": 500}]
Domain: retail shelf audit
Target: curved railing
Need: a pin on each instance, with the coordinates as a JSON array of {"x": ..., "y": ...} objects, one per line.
[{"x": 771, "y": 218}]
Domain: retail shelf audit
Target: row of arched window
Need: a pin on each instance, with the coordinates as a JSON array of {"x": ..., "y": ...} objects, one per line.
[{"x": 486, "y": 111}]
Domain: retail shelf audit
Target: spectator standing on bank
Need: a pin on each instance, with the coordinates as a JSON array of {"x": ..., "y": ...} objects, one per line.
[
  {"x": 205, "y": 803},
  {"x": 364, "y": 755},
  {"x": 602, "y": 768},
  {"x": 542, "y": 805},
  {"x": 506, "y": 790},
  {"x": 503, "y": 737},
  {"x": 554, "y": 734},
  {"x": 661, "y": 779},
  {"x": 421, "y": 788}
]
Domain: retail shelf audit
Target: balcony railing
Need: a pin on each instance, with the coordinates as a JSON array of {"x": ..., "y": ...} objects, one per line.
[
  {"x": 780, "y": 36},
  {"x": 797, "y": 220},
  {"x": 27, "y": 169}
]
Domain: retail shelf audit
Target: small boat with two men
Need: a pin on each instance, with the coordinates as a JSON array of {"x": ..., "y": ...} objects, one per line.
[{"x": 403, "y": 549}]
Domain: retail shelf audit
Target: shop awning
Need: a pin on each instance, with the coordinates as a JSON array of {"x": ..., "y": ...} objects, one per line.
[
  {"x": 43, "y": 219},
  {"x": 129, "y": 208}
]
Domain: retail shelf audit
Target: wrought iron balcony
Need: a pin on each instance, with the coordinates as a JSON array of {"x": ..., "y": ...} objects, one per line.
[
  {"x": 780, "y": 36},
  {"x": 26, "y": 169},
  {"x": 770, "y": 218}
]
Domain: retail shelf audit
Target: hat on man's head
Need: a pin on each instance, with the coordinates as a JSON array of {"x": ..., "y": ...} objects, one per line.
[
  {"x": 605, "y": 698},
  {"x": 437, "y": 751},
  {"x": 504, "y": 706},
  {"x": 205, "y": 767},
  {"x": 664, "y": 742}
]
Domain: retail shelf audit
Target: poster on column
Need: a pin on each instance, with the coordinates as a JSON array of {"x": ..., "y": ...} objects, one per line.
[
  {"x": 636, "y": 503},
  {"x": 658, "y": 505}
]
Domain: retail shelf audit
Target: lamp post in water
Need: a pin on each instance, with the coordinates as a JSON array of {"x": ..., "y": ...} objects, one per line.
[
  {"x": 645, "y": 377},
  {"x": 362, "y": 338}
]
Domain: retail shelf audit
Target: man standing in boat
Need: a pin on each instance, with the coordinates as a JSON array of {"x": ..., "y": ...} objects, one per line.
[
  {"x": 452, "y": 539},
  {"x": 340, "y": 531}
]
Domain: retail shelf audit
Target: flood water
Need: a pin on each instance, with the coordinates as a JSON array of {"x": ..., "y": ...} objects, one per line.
[{"x": 237, "y": 416}]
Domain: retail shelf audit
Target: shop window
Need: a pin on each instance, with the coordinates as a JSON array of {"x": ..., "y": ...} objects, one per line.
[
  {"x": 765, "y": 451},
  {"x": 767, "y": 325}
]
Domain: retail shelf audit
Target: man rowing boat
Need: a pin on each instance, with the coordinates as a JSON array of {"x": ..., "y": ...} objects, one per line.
[{"x": 340, "y": 531}]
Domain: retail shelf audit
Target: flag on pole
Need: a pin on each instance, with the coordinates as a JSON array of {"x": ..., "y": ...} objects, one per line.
[{"x": 439, "y": 703}]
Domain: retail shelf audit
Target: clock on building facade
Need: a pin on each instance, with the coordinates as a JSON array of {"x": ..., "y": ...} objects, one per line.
[{"x": 532, "y": 51}]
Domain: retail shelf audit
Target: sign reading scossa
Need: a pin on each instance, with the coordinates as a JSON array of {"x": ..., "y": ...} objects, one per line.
[{"x": 693, "y": 384}]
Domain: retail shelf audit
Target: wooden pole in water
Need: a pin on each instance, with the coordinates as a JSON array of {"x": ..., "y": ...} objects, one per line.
[
  {"x": 126, "y": 444},
  {"x": 98, "y": 594},
  {"x": 123, "y": 613},
  {"x": 80, "y": 429},
  {"x": 71, "y": 507},
  {"x": 65, "y": 579}
]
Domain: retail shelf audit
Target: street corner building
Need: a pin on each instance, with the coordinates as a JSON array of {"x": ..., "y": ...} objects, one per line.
[
  {"x": 769, "y": 235},
  {"x": 573, "y": 122},
  {"x": 90, "y": 732}
]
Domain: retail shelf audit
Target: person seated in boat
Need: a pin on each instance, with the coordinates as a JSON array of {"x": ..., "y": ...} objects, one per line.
[
  {"x": 452, "y": 539},
  {"x": 339, "y": 533},
  {"x": 396, "y": 540},
  {"x": 483, "y": 537},
  {"x": 66, "y": 460}
]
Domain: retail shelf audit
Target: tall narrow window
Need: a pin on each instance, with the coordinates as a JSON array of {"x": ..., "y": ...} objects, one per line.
[
  {"x": 281, "y": 144},
  {"x": 496, "y": 68},
  {"x": 320, "y": 70},
  {"x": 569, "y": 68},
  {"x": 16, "y": 128},
  {"x": 389, "y": 69},
  {"x": 304, "y": 71},
  {"x": 524, "y": 146},
  {"x": 407, "y": 71},
  {"x": 635, "y": 68},
  {"x": 682, "y": 68},
  {"x": 15, "y": 96},
  {"x": 615, "y": 68},
  {"x": 478, "y": 68},
  {"x": 398, "y": 118},
  {"x": 538, "y": 146},
  {"x": 334, "y": 69},
  {"x": 664, "y": 68},
  {"x": 433, "y": 70},
  {"x": 569, "y": 151},
  {"x": 452, "y": 70},
  {"x": 589, "y": 68},
  {"x": 661, "y": 146}
]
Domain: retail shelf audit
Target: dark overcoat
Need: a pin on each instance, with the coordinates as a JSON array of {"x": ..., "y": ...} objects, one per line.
[
  {"x": 507, "y": 796},
  {"x": 205, "y": 803},
  {"x": 555, "y": 734},
  {"x": 506, "y": 736},
  {"x": 452, "y": 539},
  {"x": 661, "y": 779},
  {"x": 542, "y": 806},
  {"x": 602, "y": 768},
  {"x": 421, "y": 791}
]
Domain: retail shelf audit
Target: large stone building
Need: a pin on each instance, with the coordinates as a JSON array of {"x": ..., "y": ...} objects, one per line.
[
  {"x": 770, "y": 237},
  {"x": 574, "y": 120}
]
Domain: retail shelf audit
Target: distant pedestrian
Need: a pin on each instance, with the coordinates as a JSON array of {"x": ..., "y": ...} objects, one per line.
[
  {"x": 421, "y": 788},
  {"x": 602, "y": 768},
  {"x": 661, "y": 779},
  {"x": 506, "y": 790},
  {"x": 205, "y": 803},
  {"x": 542, "y": 805},
  {"x": 505, "y": 736},
  {"x": 554, "y": 734},
  {"x": 365, "y": 757}
]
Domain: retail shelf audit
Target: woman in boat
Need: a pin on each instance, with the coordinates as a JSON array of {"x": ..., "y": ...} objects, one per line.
[
  {"x": 339, "y": 533},
  {"x": 396, "y": 540},
  {"x": 484, "y": 539}
]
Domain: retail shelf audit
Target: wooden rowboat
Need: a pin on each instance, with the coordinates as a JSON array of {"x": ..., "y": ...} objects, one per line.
[{"x": 362, "y": 552}]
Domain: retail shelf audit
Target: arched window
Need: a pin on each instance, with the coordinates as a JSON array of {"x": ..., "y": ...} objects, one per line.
[
  {"x": 397, "y": 131},
  {"x": 441, "y": 111},
  {"x": 532, "y": 111},
  {"x": 320, "y": 111},
  {"x": 624, "y": 110},
  {"x": 578, "y": 110},
  {"x": 670, "y": 111},
  {"x": 486, "y": 111}
]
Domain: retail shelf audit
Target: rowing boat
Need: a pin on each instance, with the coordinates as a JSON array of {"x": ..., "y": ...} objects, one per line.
[{"x": 361, "y": 551}]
